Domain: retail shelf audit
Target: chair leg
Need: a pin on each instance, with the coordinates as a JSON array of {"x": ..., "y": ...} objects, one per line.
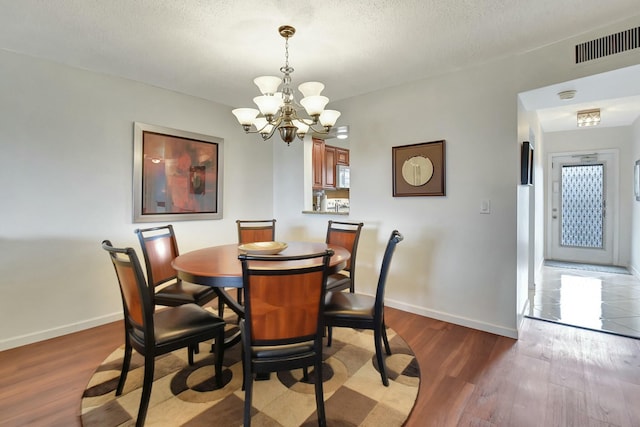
[
  {"x": 305, "y": 374},
  {"x": 385, "y": 339},
  {"x": 149, "y": 366},
  {"x": 219, "y": 351},
  {"x": 322, "y": 420},
  {"x": 190, "y": 351},
  {"x": 220, "y": 308},
  {"x": 329, "y": 335},
  {"x": 126, "y": 362},
  {"x": 248, "y": 394},
  {"x": 377, "y": 336}
]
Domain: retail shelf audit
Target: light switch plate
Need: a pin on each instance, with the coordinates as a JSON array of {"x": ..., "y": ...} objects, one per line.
[{"x": 485, "y": 206}]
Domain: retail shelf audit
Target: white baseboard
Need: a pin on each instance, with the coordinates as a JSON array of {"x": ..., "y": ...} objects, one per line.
[
  {"x": 458, "y": 320},
  {"x": 31, "y": 338},
  {"x": 633, "y": 271}
]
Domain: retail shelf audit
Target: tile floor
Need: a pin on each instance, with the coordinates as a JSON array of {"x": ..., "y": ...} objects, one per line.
[{"x": 594, "y": 300}]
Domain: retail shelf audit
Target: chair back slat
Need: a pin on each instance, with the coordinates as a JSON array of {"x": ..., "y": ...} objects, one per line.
[
  {"x": 347, "y": 235},
  {"x": 284, "y": 305},
  {"x": 251, "y": 231},
  {"x": 161, "y": 251},
  {"x": 130, "y": 293},
  {"x": 160, "y": 248},
  {"x": 136, "y": 300}
]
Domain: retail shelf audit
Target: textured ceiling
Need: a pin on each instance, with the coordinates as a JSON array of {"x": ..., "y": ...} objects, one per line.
[{"x": 214, "y": 49}]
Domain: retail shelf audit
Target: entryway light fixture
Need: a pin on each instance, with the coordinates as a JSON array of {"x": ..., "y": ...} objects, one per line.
[
  {"x": 566, "y": 95},
  {"x": 280, "y": 110},
  {"x": 588, "y": 117}
]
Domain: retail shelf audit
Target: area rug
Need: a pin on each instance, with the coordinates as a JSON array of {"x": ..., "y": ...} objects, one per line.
[
  {"x": 184, "y": 395},
  {"x": 587, "y": 267}
]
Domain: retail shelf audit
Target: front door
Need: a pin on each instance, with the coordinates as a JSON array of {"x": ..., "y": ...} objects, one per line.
[{"x": 582, "y": 214}]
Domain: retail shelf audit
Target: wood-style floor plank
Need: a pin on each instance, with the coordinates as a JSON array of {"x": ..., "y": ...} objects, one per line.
[{"x": 553, "y": 376}]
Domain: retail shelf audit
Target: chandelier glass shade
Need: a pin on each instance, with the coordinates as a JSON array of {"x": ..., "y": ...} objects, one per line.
[{"x": 278, "y": 108}]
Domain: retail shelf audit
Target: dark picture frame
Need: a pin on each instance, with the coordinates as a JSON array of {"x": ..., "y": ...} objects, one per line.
[
  {"x": 177, "y": 175},
  {"x": 419, "y": 169},
  {"x": 526, "y": 164}
]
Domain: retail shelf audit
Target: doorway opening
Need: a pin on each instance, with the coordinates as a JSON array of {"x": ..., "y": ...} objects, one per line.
[{"x": 582, "y": 221}]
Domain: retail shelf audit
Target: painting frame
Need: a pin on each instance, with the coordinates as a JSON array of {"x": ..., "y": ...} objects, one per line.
[
  {"x": 177, "y": 175},
  {"x": 419, "y": 169},
  {"x": 526, "y": 164}
]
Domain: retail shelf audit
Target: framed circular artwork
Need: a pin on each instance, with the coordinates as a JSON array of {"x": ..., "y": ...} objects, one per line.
[{"x": 419, "y": 169}]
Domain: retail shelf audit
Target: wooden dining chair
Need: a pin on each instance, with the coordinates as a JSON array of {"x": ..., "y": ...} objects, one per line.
[
  {"x": 353, "y": 310},
  {"x": 347, "y": 235},
  {"x": 160, "y": 248},
  {"x": 283, "y": 324},
  {"x": 153, "y": 333},
  {"x": 255, "y": 230}
]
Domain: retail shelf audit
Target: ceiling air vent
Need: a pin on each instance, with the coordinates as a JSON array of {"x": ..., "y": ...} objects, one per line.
[{"x": 608, "y": 45}]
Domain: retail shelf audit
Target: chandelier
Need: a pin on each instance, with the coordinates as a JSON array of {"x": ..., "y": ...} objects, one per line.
[{"x": 280, "y": 110}]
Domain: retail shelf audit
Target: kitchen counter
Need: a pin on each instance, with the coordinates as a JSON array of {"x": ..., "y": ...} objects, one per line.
[{"x": 326, "y": 212}]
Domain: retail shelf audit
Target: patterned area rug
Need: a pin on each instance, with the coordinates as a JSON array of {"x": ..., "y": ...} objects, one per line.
[{"x": 184, "y": 395}]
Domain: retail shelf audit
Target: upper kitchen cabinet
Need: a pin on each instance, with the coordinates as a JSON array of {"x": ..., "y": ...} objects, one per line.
[
  {"x": 325, "y": 158},
  {"x": 342, "y": 156},
  {"x": 317, "y": 157},
  {"x": 329, "y": 166}
]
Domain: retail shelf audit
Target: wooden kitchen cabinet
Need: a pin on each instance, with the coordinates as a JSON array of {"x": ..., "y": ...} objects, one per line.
[
  {"x": 317, "y": 157},
  {"x": 325, "y": 158},
  {"x": 342, "y": 156},
  {"x": 329, "y": 166}
]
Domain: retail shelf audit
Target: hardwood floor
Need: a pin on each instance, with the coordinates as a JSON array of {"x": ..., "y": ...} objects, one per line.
[{"x": 553, "y": 375}]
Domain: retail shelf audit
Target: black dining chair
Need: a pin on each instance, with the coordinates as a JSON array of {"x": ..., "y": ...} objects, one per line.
[
  {"x": 354, "y": 310},
  {"x": 153, "y": 333},
  {"x": 347, "y": 235},
  {"x": 283, "y": 324}
]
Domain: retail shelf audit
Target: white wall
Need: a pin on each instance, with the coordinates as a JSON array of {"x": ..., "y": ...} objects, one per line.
[
  {"x": 589, "y": 140},
  {"x": 66, "y": 157}
]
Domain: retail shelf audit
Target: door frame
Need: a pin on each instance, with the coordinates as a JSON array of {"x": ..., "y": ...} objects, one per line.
[{"x": 614, "y": 199}]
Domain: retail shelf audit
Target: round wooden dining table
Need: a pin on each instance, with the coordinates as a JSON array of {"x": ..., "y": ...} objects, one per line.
[{"x": 219, "y": 266}]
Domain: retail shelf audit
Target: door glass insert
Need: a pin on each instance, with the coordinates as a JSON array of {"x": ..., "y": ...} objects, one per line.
[{"x": 582, "y": 206}]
